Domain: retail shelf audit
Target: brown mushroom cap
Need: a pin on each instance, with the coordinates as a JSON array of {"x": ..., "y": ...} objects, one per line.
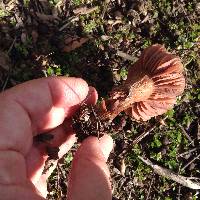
[{"x": 161, "y": 74}]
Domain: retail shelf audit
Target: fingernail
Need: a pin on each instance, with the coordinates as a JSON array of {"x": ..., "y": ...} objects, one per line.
[{"x": 92, "y": 96}]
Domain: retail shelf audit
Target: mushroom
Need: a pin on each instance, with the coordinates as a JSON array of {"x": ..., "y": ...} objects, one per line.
[{"x": 151, "y": 88}]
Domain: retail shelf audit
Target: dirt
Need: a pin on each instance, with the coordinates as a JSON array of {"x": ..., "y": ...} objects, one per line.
[{"x": 83, "y": 39}]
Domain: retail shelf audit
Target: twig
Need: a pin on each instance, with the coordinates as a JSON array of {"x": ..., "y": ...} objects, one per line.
[
  {"x": 171, "y": 175},
  {"x": 11, "y": 46},
  {"x": 188, "y": 152},
  {"x": 6, "y": 81},
  {"x": 98, "y": 121},
  {"x": 143, "y": 135},
  {"x": 125, "y": 55},
  {"x": 186, "y": 134},
  {"x": 190, "y": 162},
  {"x": 72, "y": 19},
  {"x": 191, "y": 143},
  {"x": 179, "y": 193}
]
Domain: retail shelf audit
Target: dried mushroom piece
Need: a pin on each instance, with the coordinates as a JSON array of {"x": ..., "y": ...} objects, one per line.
[{"x": 151, "y": 87}]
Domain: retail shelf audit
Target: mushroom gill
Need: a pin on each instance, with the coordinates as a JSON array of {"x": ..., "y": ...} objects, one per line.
[
  {"x": 165, "y": 71},
  {"x": 151, "y": 87}
]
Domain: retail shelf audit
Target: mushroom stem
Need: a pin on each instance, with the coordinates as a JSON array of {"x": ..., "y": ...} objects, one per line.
[{"x": 124, "y": 96}]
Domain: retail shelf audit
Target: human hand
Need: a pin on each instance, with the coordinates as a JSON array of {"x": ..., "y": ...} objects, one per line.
[{"x": 40, "y": 106}]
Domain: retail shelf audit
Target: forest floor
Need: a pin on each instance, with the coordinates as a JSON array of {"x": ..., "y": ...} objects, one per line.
[{"x": 87, "y": 38}]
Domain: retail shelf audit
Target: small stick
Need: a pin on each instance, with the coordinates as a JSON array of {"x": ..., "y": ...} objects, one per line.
[
  {"x": 190, "y": 162},
  {"x": 188, "y": 152},
  {"x": 143, "y": 135},
  {"x": 186, "y": 134},
  {"x": 72, "y": 19},
  {"x": 179, "y": 193},
  {"x": 11, "y": 46},
  {"x": 6, "y": 82},
  {"x": 171, "y": 175},
  {"x": 125, "y": 55},
  {"x": 98, "y": 121}
]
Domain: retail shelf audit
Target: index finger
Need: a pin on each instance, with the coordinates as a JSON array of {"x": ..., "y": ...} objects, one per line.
[{"x": 37, "y": 106}]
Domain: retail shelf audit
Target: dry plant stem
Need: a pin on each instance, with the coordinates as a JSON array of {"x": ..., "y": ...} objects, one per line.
[
  {"x": 179, "y": 193},
  {"x": 186, "y": 134},
  {"x": 190, "y": 162},
  {"x": 6, "y": 82},
  {"x": 185, "y": 181},
  {"x": 188, "y": 152},
  {"x": 144, "y": 134},
  {"x": 68, "y": 22},
  {"x": 11, "y": 46},
  {"x": 125, "y": 56}
]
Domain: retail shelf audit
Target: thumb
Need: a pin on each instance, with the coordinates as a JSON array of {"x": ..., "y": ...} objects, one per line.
[{"x": 89, "y": 177}]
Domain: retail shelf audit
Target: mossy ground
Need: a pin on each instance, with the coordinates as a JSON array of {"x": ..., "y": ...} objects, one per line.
[{"x": 35, "y": 50}]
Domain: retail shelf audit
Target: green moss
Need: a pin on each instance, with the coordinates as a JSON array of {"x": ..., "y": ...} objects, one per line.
[
  {"x": 77, "y": 2},
  {"x": 89, "y": 27}
]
